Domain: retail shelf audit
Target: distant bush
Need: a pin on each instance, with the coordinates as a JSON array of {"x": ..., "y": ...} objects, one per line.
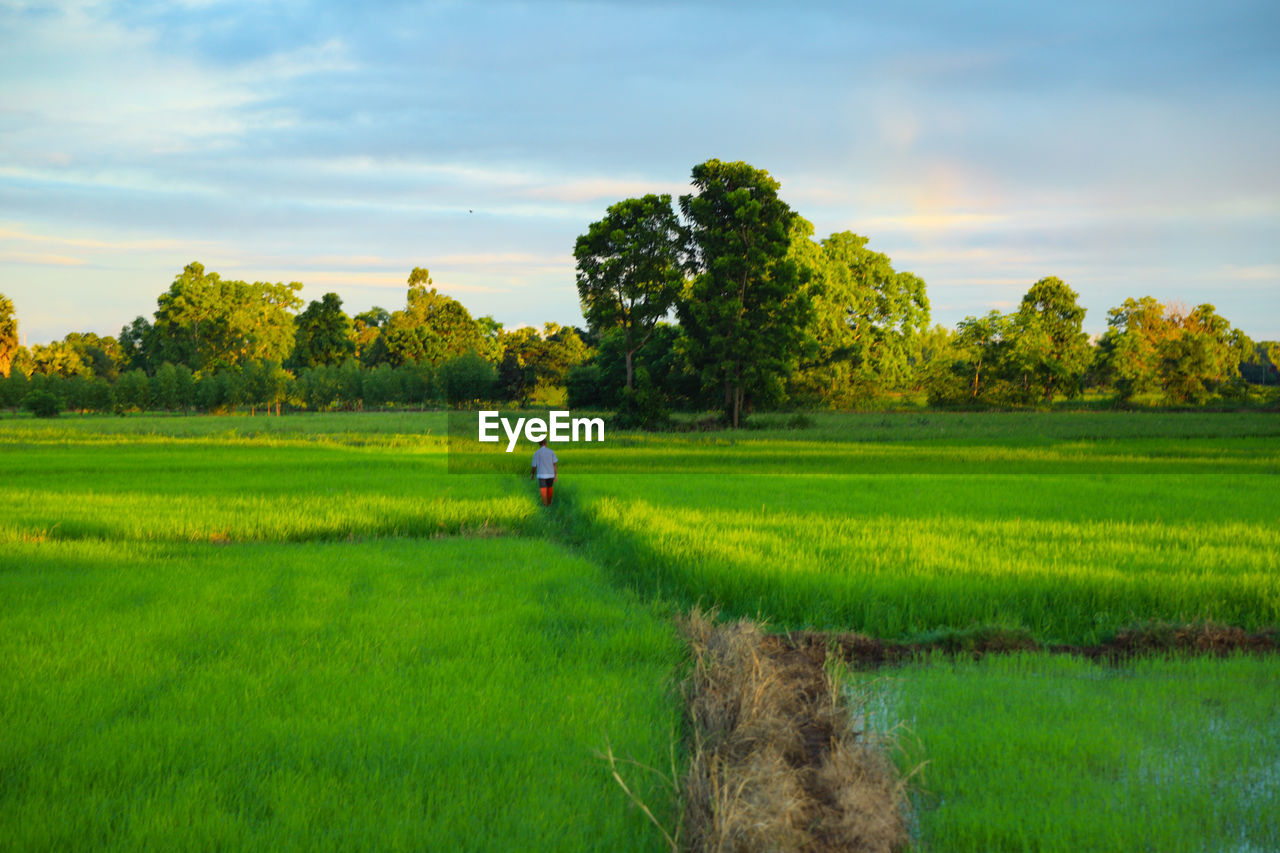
[
  {"x": 42, "y": 404},
  {"x": 13, "y": 389},
  {"x": 642, "y": 407},
  {"x": 585, "y": 386},
  {"x": 133, "y": 391},
  {"x": 467, "y": 378}
]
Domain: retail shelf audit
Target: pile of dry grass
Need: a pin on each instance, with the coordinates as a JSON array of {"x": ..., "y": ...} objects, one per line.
[{"x": 776, "y": 762}]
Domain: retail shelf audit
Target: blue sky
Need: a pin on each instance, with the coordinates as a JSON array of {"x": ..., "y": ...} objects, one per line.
[{"x": 1130, "y": 149}]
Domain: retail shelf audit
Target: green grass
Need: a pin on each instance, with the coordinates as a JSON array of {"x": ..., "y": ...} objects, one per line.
[
  {"x": 1069, "y": 559},
  {"x": 302, "y": 632},
  {"x": 395, "y": 694},
  {"x": 357, "y": 661},
  {"x": 1068, "y": 538},
  {"x": 1037, "y": 752},
  {"x": 372, "y": 427},
  {"x": 238, "y": 489}
]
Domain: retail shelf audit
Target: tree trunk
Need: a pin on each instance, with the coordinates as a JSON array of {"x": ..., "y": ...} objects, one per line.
[{"x": 630, "y": 353}]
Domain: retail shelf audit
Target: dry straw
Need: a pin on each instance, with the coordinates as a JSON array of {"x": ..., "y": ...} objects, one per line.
[{"x": 776, "y": 762}]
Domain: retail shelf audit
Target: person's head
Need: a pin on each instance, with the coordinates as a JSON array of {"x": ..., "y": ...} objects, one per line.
[{"x": 542, "y": 442}]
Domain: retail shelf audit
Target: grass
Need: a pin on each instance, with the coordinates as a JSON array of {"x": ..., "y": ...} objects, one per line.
[
  {"x": 1051, "y": 753},
  {"x": 967, "y": 553},
  {"x": 150, "y": 488},
  {"x": 1066, "y": 538},
  {"x": 305, "y": 631},
  {"x": 328, "y": 696},
  {"x": 361, "y": 427},
  {"x": 304, "y": 639}
]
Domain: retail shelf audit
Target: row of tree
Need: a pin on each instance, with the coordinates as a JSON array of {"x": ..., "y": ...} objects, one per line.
[
  {"x": 767, "y": 315},
  {"x": 259, "y": 385},
  {"x": 211, "y": 342},
  {"x": 724, "y": 300}
]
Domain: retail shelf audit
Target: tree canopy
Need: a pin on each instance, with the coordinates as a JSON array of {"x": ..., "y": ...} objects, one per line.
[
  {"x": 1187, "y": 354},
  {"x": 745, "y": 311},
  {"x": 430, "y": 328},
  {"x": 8, "y": 334},
  {"x": 324, "y": 334},
  {"x": 867, "y": 319},
  {"x": 1053, "y": 348},
  {"x": 768, "y": 316},
  {"x": 630, "y": 268},
  {"x": 1033, "y": 353},
  {"x": 204, "y": 321}
]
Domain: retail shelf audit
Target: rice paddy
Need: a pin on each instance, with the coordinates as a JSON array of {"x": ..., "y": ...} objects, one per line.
[
  {"x": 305, "y": 632},
  {"x": 1051, "y": 753},
  {"x": 1069, "y": 540}
]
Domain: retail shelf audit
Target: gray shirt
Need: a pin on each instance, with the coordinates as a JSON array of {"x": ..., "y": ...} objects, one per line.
[{"x": 544, "y": 462}]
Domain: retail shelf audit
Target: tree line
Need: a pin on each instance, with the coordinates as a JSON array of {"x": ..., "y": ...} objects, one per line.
[
  {"x": 767, "y": 316},
  {"x": 720, "y": 300}
]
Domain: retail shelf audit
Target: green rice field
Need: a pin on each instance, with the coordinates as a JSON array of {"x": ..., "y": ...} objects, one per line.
[
  {"x": 1045, "y": 752},
  {"x": 305, "y": 632}
]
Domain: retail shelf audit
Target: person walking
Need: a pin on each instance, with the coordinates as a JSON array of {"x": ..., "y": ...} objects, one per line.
[{"x": 545, "y": 466}]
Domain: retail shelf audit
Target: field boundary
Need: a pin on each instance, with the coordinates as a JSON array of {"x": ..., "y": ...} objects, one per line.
[{"x": 1206, "y": 640}]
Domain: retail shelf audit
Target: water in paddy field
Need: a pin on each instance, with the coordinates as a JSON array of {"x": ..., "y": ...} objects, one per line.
[{"x": 1163, "y": 742}]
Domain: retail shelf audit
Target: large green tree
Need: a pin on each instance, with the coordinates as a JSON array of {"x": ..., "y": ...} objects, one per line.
[
  {"x": 1189, "y": 355},
  {"x": 745, "y": 311},
  {"x": 982, "y": 344},
  {"x": 1130, "y": 349},
  {"x": 367, "y": 326},
  {"x": 1203, "y": 357},
  {"x": 1053, "y": 348},
  {"x": 78, "y": 354},
  {"x": 57, "y": 358},
  {"x": 137, "y": 345},
  {"x": 1033, "y": 353},
  {"x": 206, "y": 322},
  {"x": 324, "y": 334},
  {"x": 431, "y": 328},
  {"x": 630, "y": 268},
  {"x": 868, "y": 319},
  {"x": 102, "y": 355}
]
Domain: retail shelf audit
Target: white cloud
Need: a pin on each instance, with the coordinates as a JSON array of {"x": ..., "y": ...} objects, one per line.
[
  {"x": 40, "y": 259},
  {"x": 1259, "y": 272},
  {"x": 17, "y": 233},
  {"x": 86, "y": 87}
]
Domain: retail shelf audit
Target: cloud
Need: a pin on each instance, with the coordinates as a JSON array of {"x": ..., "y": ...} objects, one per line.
[
  {"x": 1259, "y": 272},
  {"x": 1124, "y": 148},
  {"x": 376, "y": 281},
  {"x": 605, "y": 190},
  {"x": 41, "y": 260},
  {"x": 10, "y": 233},
  {"x": 488, "y": 181},
  {"x": 94, "y": 89}
]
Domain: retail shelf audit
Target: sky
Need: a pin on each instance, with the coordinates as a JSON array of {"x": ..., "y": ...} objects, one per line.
[{"x": 1130, "y": 149}]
